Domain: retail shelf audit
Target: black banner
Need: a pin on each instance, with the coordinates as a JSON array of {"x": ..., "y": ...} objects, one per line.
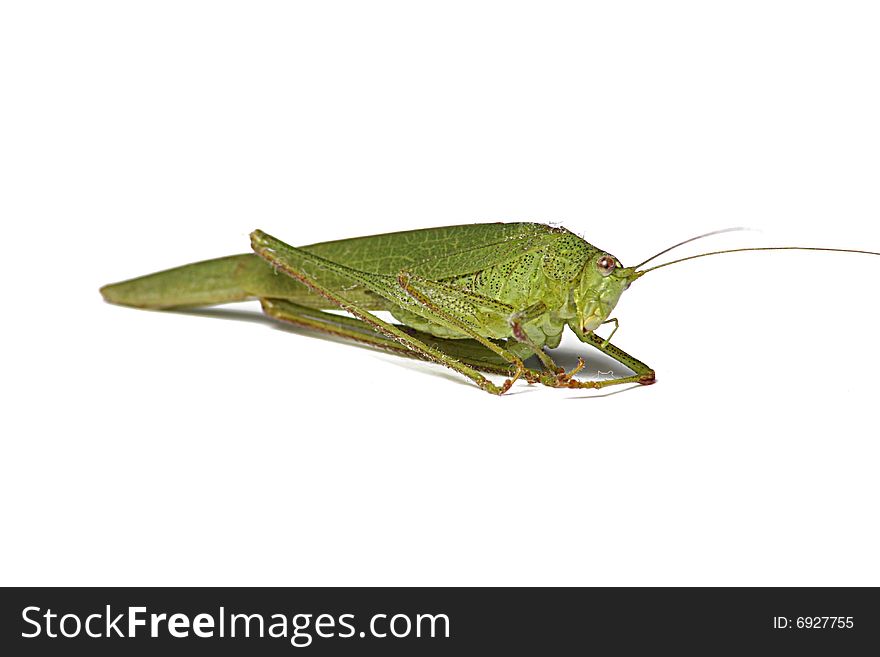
[{"x": 445, "y": 621}]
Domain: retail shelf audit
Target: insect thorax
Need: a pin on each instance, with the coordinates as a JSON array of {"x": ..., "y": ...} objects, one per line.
[{"x": 545, "y": 276}]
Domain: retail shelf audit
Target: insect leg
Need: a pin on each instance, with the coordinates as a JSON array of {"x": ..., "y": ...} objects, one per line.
[
  {"x": 290, "y": 261},
  {"x": 518, "y": 319},
  {"x": 614, "y": 321},
  {"x": 420, "y": 288},
  {"x": 467, "y": 351},
  {"x": 643, "y": 374}
]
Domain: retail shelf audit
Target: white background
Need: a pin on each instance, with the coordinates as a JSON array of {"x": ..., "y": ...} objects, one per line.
[{"x": 158, "y": 448}]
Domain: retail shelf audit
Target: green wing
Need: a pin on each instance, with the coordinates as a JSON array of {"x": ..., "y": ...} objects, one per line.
[
  {"x": 438, "y": 253},
  {"x": 434, "y": 253}
]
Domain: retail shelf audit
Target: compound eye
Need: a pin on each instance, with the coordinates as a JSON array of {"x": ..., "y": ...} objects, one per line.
[{"x": 606, "y": 265}]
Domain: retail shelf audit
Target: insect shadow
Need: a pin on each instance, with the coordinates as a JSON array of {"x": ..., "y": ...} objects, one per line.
[
  {"x": 599, "y": 365},
  {"x": 236, "y": 314},
  {"x": 257, "y": 317}
]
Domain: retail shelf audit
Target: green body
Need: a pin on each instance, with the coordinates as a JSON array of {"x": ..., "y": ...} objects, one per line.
[{"x": 506, "y": 290}]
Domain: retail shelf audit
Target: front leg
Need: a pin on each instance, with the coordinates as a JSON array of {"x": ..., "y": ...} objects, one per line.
[{"x": 644, "y": 375}]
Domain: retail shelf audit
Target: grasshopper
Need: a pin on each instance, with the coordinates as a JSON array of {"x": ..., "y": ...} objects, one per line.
[{"x": 475, "y": 298}]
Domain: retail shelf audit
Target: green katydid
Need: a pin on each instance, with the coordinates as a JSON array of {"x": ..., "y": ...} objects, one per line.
[{"x": 475, "y": 298}]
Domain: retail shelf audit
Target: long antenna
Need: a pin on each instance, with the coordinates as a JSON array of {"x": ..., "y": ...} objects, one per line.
[
  {"x": 692, "y": 239},
  {"x": 759, "y": 248}
]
